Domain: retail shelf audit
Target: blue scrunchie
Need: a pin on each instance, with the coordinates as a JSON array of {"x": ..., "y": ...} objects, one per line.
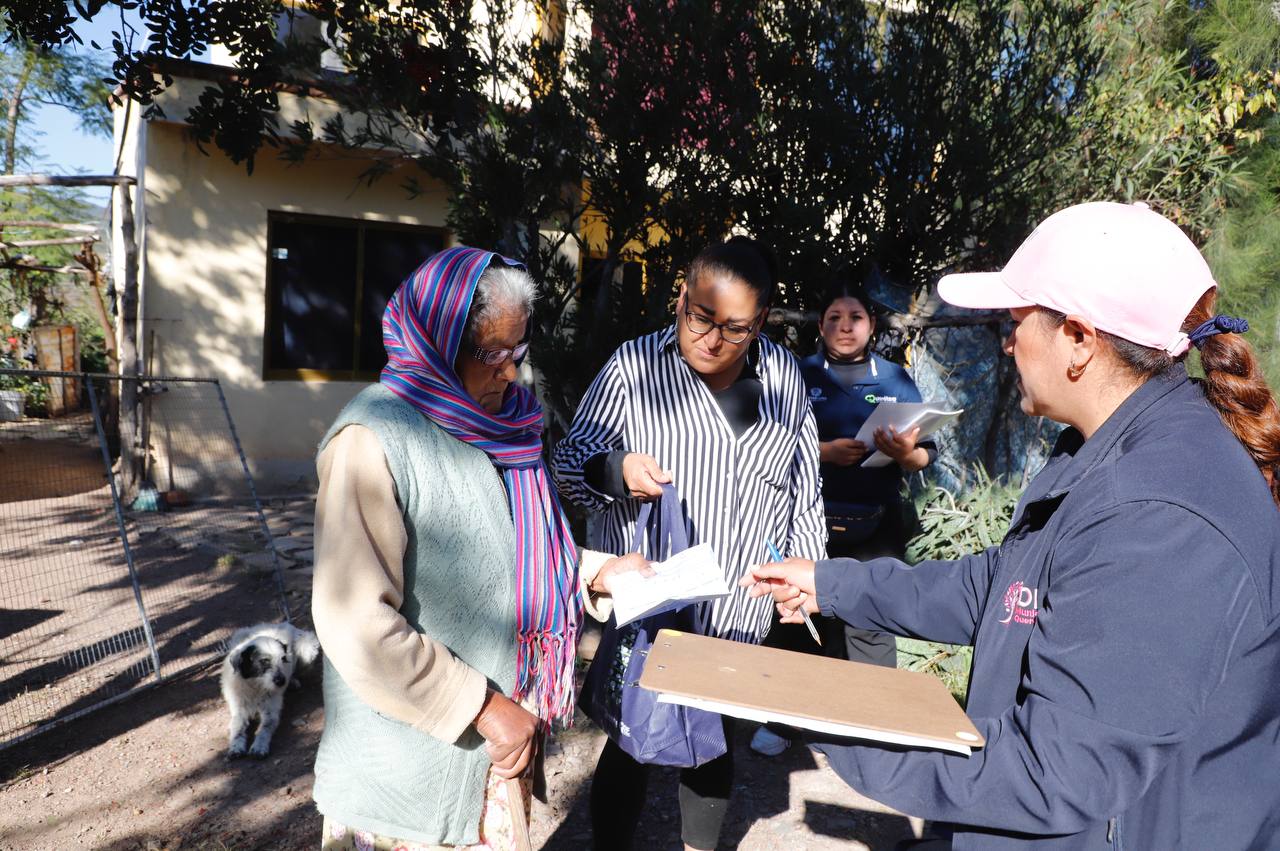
[{"x": 1217, "y": 325}]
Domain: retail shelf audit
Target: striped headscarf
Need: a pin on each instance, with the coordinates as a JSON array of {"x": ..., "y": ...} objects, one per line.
[{"x": 422, "y": 330}]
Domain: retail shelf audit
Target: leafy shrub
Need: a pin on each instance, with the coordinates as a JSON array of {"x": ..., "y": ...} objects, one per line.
[
  {"x": 93, "y": 349},
  {"x": 36, "y": 395},
  {"x": 954, "y": 524},
  {"x": 948, "y": 662}
]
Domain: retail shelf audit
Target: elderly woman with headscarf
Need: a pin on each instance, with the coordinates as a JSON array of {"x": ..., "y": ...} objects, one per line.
[{"x": 447, "y": 591}]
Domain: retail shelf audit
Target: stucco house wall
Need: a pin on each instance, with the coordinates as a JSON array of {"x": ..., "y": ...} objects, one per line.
[{"x": 203, "y": 268}]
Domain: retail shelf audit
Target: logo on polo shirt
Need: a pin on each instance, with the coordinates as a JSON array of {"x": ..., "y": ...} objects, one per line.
[
  {"x": 816, "y": 395},
  {"x": 876, "y": 400},
  {"x": 1021, "y": 604}
]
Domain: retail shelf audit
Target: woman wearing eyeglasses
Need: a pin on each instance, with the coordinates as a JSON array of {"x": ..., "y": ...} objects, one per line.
[
  {"x": 446, "y": 594},
  {"x": 717, "y": 409}
]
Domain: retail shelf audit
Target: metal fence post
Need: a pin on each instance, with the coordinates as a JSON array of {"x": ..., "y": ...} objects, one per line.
[
  {"x": 124, "y": 535},
  {"x": 257, "y": 503}
]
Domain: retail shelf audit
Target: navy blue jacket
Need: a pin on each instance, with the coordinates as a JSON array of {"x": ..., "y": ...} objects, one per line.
[
  {"x": 840, "y": 412},
  {"x": 1126, "y": 668}
]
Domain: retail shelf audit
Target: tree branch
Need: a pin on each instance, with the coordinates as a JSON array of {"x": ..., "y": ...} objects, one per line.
[{"x": 14, "y": 114}]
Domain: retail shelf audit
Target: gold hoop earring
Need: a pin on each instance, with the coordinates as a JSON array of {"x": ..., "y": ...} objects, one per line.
[{"x": 1074, "y": 371}]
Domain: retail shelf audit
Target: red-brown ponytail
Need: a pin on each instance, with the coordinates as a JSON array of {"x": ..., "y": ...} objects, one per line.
[{"x": 1234, "y": 384}]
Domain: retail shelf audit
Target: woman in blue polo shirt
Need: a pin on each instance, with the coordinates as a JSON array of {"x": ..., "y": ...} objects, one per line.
[
  {"x": 863, "y": 505},
  {"x": 846, "y": 382}
]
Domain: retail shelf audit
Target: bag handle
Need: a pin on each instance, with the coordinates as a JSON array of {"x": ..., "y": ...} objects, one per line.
[{"x": 664, "y": 529}]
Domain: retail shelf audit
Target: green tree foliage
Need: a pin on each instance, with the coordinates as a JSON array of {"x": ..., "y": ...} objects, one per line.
[
  {"x": 1244, "y": 244},
  {"x": 32, "y": 77},
  {"x": 910, "y": 141},
  {"x": 1244, "y": 250},
  {"x": 1184, "y": 116},
  {"x": 906, "y": 138}
]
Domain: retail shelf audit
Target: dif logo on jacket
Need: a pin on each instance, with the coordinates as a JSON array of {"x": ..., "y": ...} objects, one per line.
[{"x": 1021, "y": 604}]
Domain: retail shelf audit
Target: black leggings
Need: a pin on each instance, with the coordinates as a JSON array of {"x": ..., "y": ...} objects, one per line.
[{"x": 619, "y": 789}]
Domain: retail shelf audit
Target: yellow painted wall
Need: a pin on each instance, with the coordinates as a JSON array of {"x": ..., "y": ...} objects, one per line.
[{"x": 205, "y": 282}]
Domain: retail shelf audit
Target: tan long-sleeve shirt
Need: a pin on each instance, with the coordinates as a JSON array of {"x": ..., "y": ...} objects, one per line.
[{"x": 360, "y": 542}]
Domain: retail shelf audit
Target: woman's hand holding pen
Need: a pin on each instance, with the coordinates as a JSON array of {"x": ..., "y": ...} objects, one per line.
[
  {"x": 643, "y": 476},
  {"x": 792, "y": 584}
]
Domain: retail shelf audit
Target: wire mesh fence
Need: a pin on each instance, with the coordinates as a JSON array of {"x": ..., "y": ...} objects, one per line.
[{"x": 125, "y": 557}]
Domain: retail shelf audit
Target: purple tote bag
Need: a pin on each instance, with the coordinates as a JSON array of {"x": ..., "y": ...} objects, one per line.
[{"x": 648, "y": 731}]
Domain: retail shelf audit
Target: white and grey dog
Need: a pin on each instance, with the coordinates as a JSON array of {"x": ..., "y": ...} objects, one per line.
[{"x": 261, "y": 663}]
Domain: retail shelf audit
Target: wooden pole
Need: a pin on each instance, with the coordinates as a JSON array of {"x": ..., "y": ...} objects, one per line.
[
  {"x": 130, "y": 467},
  {"x": 40, "y": 267},
  {"x": 111, "y": 407},
  {"x": 73, "y": 227},
  {"x": 67, "y": 180},
  {"x": 67, "y": 240}
]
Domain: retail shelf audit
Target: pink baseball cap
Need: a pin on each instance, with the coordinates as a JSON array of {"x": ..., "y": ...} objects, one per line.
[{"x": 1127, "y": 269}]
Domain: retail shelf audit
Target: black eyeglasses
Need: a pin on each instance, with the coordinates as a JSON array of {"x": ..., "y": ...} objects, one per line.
[
  {"x": 730, "y": 332},
  {"x": 497, "y": 357}
]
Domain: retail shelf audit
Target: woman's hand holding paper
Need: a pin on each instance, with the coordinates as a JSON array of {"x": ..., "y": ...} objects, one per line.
[
  {"x": 903, "y": 447},
  {"x": 843, "y": 451},
  {"x": 897, "y": 445},
  {"x": 602, "y": 582},
  {"x": 792, "y": 584}
]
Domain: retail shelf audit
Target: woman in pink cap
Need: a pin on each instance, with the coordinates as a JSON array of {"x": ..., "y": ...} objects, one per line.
[{"x": 1126, "y": 632}]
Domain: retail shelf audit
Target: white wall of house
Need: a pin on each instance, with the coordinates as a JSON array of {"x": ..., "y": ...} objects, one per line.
[{"x": 205, "y": 264}]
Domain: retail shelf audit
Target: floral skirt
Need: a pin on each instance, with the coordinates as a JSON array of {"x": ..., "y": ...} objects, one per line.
[{"x": 499, "y": 830}]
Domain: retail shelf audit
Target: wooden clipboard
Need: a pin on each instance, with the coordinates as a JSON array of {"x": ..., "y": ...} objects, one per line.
[{"x": 812, "y": 692}]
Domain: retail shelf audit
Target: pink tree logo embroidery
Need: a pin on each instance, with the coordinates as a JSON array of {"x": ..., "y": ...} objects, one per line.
[
  {"x": 1011, "y": 601},
  {"x": 1021, "y": 604}
]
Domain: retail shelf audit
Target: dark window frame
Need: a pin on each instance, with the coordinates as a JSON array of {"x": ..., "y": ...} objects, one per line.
[
  {"x": 361, "y": 226},
  {"x": 592, "y": 258}
]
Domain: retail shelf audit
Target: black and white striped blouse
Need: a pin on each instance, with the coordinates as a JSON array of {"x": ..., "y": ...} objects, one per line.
[{"x": 739, "y": 491}]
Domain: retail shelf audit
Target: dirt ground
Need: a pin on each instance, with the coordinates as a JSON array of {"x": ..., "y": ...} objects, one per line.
[
  {"x": 67, "y": 444},
  {"x": 148, "y": 772}
]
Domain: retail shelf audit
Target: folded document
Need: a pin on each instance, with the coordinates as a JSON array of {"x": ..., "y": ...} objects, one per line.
[{"x": 692, "y": 576}]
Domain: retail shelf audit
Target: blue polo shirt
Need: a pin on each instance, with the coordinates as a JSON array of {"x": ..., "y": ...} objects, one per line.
[{"x": 840, "y": 412}]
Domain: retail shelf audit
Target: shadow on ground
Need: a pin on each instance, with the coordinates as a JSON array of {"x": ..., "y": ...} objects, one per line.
[
  {"x": 771, "y": 808},
  {"x": 149, "y": 773}
]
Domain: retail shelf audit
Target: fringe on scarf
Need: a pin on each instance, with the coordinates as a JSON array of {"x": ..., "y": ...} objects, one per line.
[{"x": 545, "y": 670}]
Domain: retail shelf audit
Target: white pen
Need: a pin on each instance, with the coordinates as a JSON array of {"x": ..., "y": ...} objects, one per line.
[{"x": 808, "y": 621}]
